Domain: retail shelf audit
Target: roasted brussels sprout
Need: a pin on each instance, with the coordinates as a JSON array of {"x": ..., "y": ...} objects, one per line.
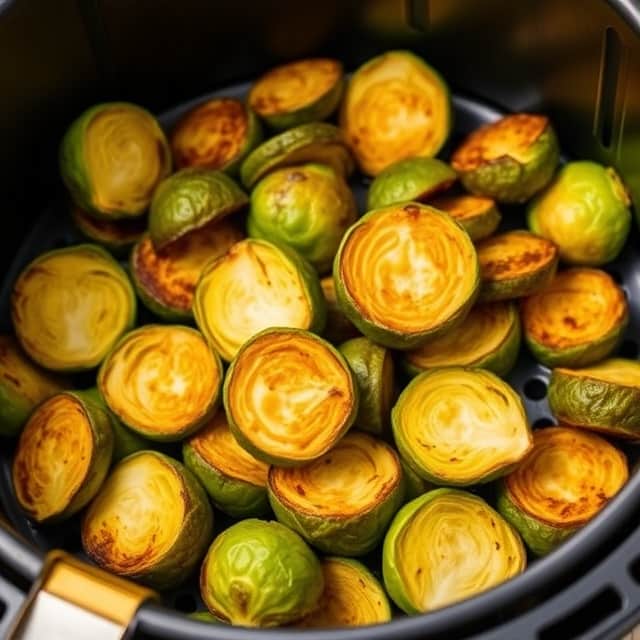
[
  {"x": 70, "y": 306},
  {"x": 112, "y": 158},
  {"x": 256, "y": 285},
  {"x": 405, "y": 274},
  {"x": 342, "y": 502},
  {"x": 233, "y": 478},
  {"x": 564, "y": 481},
  {"x": 260, "y": 574},
  {"x": 151, "y": 521},
  {"x": 509, "y": 160},
  {"x": 338, "y": 327},
  {"x": 62, "y": 457},
  {"x": 515, "y": 264},
  {"x": 459, "y": 426},
  {"x": 289, "y": 396},
  {"x": 116, "y": 236},
  {"x": 478, "y": 215},
  {"x": 297, "y": 93},
  {"x": 162, "y": 381},
  {"x": 446, "y": 546},
  {"x": 576, "y": 320},
  {"x": 395, "y": 107},
  {"x": 585, "y": 211}
]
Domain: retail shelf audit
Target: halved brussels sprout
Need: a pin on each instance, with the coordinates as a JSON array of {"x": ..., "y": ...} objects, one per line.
[
  {"x": 307, "y": 208},
  {"x": 488, "y": 338},
  {"x": 338, "y": 327},
  {"x": 510, "y": 159},
  {"x": 116, "y": 236},
  {"x": 585, "y": 211},
  {"x": 604, "y": 397},
  {"x": 112, "y": 158},
  {"x": 70, "y": 306},
  {"x": 478, "y": 215},
  {"x": 256, "y": 285},
  {"x": 260, "y": 574},
  {"x": 62, "y": 457},
  {"x": 151, "y": 521},
  {"x": 576, "y": 320},
  {"x": 298, "y": 92},
  {"x": 405, "y": 274},
  {"x": 289, "y": 396},
  {"x": 166, "y": 280},
  {"x": 162, "y": 381},
  {"x": 459, "y": 426},
  {"x": 233, "y": 478},
  {"x": 515, "y": 264},
  {"x": 446, "y": 546},
  {"x": 190, "y": 199},
  {"x": 564, "y": 481},
  {"x": 217, "y": 134},
  {"x": 396, "y": 106},
  {"x": 342, "y": 502}
]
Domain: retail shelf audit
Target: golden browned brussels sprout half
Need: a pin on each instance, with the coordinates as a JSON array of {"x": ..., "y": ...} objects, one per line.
[
  {"x": 70, "y": 306},
  {"x": 116, "y": 236},
  {"x": 338, "y": 327},
  {"x": 395, "y": 106},
  {"x": 151, "y": 521},
  {"x": 577, "y": 320},
  {"x": 478, "y": 215},
  {"x": 566, "y": 479},
  {"x": 289, "y": 396},
  {"x": 162, "y": 381}
]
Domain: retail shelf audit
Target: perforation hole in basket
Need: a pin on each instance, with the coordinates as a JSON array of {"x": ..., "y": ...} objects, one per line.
[
  {"x": 185, "y": 602},
  {"x": 540, "y": 423},
  {"x": 629, "y": 349},
  {"x": 535, "y": 389}
]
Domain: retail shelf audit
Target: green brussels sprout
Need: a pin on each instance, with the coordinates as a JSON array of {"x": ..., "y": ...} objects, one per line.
[
  {"x": 70, "y": 306},
  {"x": 256, "y": 285},
  {"x": 289, "y": 396},
  {"x": 260, "y": 574},
  {"x": 396, "y": 106},
  {"x": 576, "y": 320},
  {"x": 116, "y": 236},
  {"x": 460, "y": 426},
  {"x": 585, "y": 211},
  {"x": 564, "y": 481},
  {"x": 162, "y": 381},
  {"x": 446, "y": 546},
  {"x": 307, "y": 208},
  {"x": 405, "y": 274},
  {"x": 150, "y": 522},
  {"x": 62, "y": 457},
  {"x": 205, "y": 616},
  {"x": 298, "y": 92},
  {"x": 338, "y": 327},
  {"x": 415, "y": 484},
  {"x": 342, "y": 502},
  {"x": 478, "y": 215},
  {"x": 509, "y": 160},
  {"x": 112, "y": 158}
]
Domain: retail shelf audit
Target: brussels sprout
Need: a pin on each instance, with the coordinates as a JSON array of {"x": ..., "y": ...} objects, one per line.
[
  {"x": 446, "y": 546},
  {"x": 190, "y": 199},
  {"x": 205, "y": 616},
  {"x": 166, "y": 280},
  {"x": 216, "y": 134},
  {"x": 316, "y": 142},
  {"x": 604, "y": 397},
  {"x": 405, "y": 274},
  {"x": 395, "y": 107},
  {"x": 256, "y": 285},
  {"x": 162, "y": 381},
  {"x": 289, "y": 396},
  {"x": 566, "y": 479},
  {"x": 488, "y": 338},
  {"x": 478, "y": 215},
  {"x": 260, "y": 574},
  {"x": 585, "y": 211},
  {"x": 342, "y": 502},
  {"x": 415, "y": 485},
  {"x": 577, "y": 320},
  {"x": 460, "y": 426},
  {"x": 112, "y": 158},
  {"x": 508, "y": 160},
  {"x": 515, "y": 264},
  {"x": 338, "y": 327},
  {"x": 410, "y": 180},
  {"x": 298, "y": 92},
  {"x": 233, "y": 478},
  {"x": 307, "y": 208},
  {"x": 70, "y": 306},
  {"x": 62, "y": 457},
  {"x": 151, "y": 521},
  {"x": 116, "y": 236}
]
